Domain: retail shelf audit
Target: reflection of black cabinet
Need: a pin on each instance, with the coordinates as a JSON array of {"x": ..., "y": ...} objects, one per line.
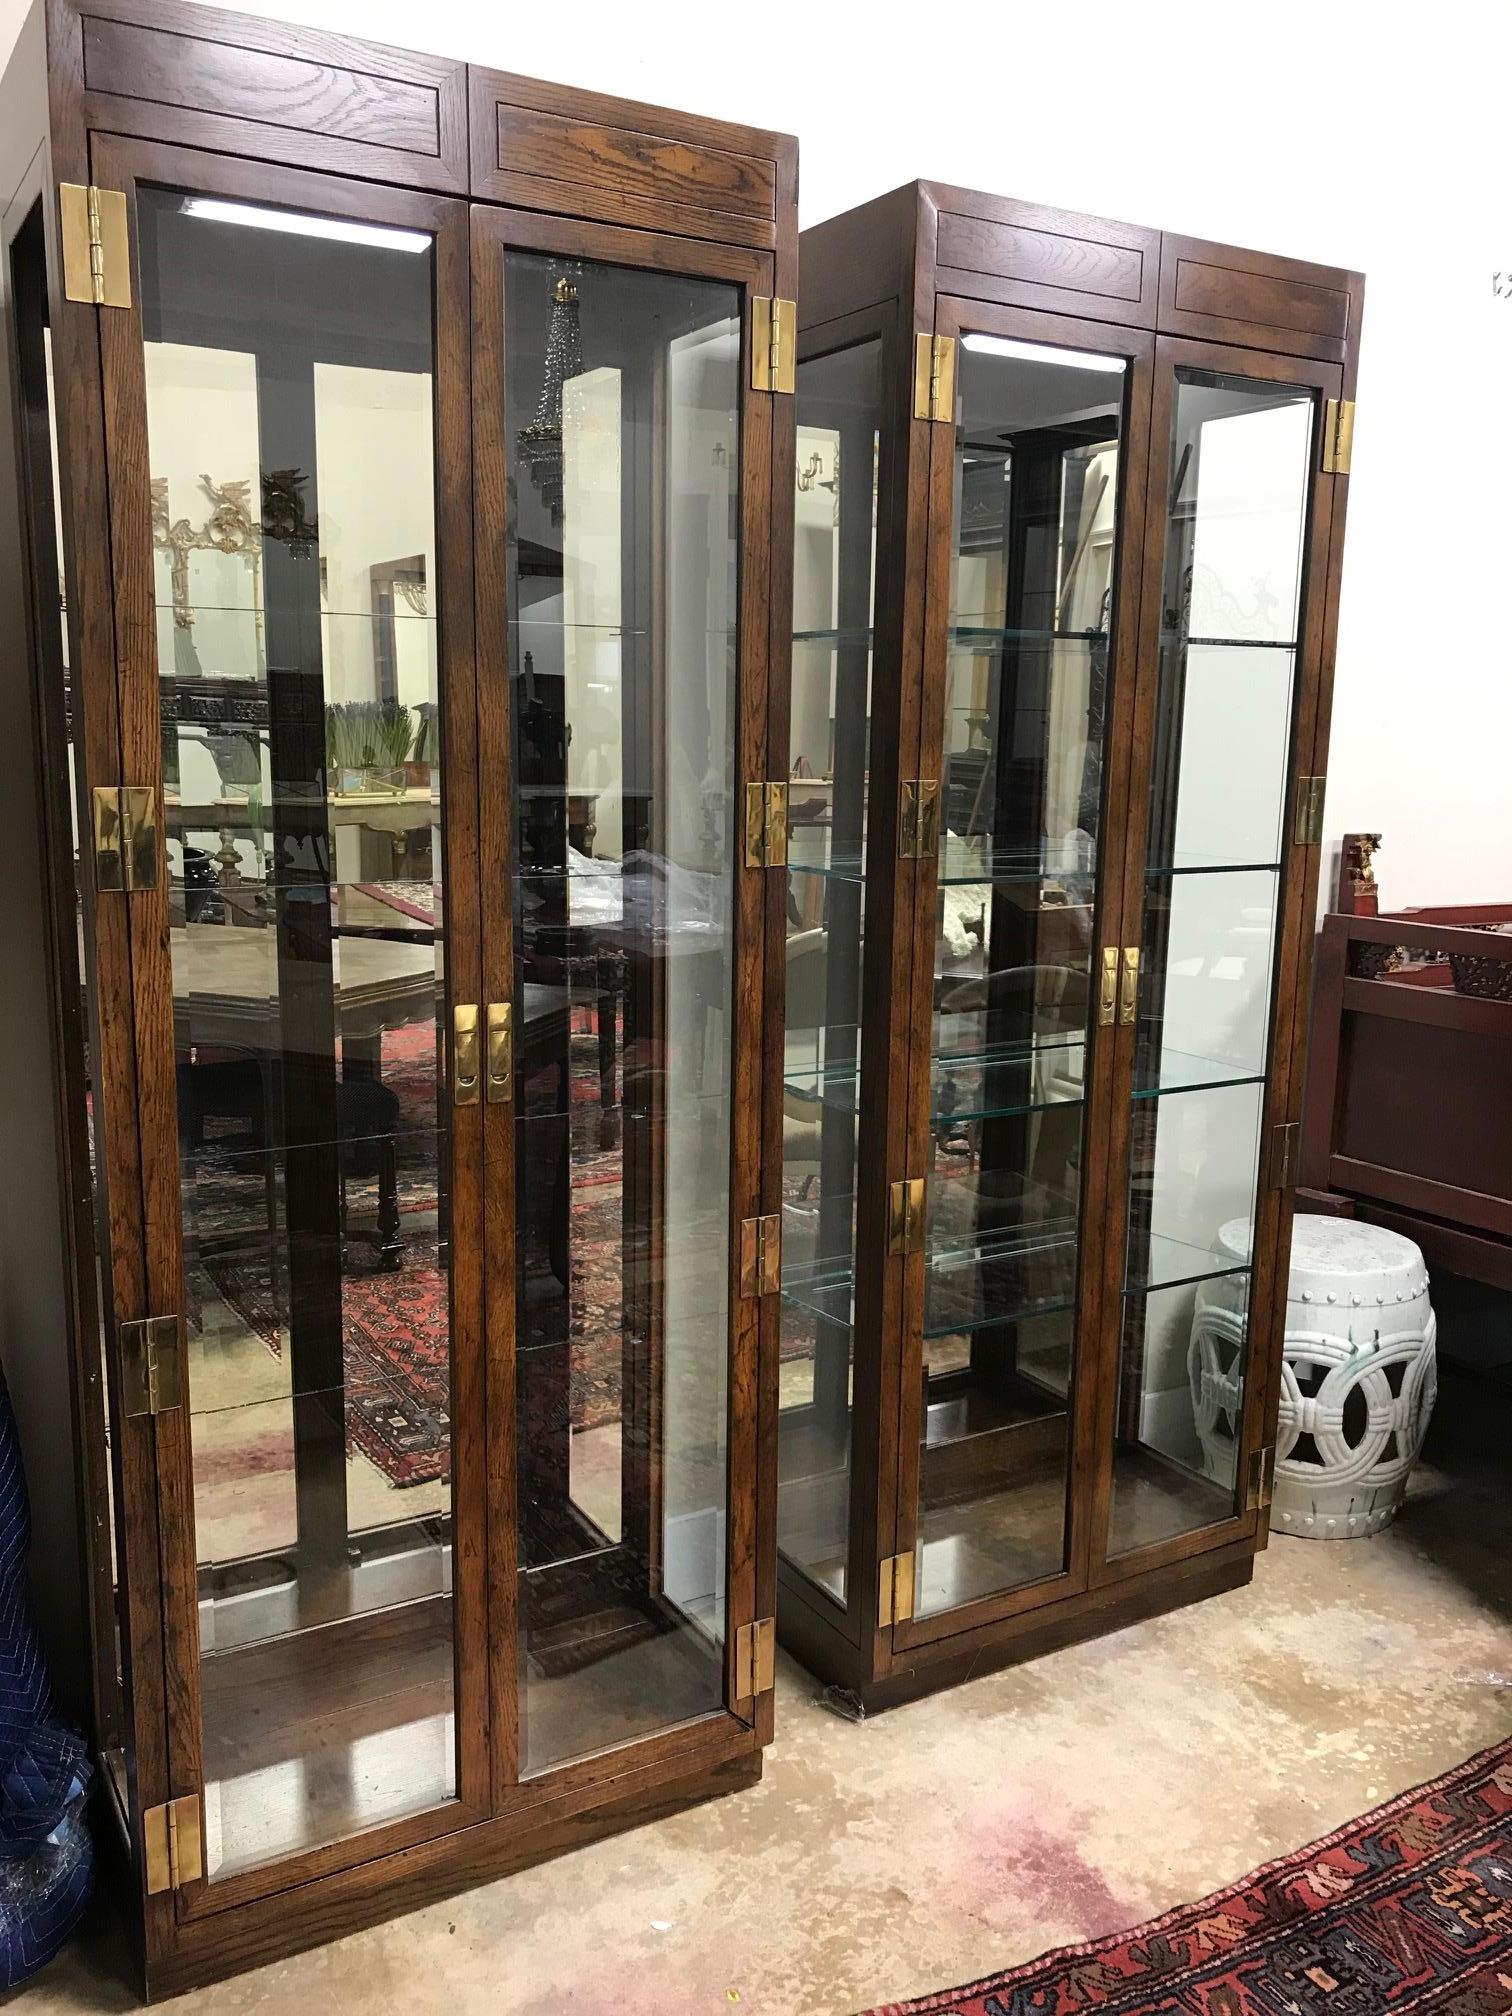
[
  {"x": 406, "y": 1450},
  {"x": 1032, "y": 1289}
]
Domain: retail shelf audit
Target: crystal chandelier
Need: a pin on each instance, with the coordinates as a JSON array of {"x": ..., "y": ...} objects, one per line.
[{"x": 541, "y": 441}]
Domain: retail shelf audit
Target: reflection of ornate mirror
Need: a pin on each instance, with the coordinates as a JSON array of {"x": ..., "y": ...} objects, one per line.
[
  {"x": 401, "y": 641},
  {"x": 229, "y": 528}
]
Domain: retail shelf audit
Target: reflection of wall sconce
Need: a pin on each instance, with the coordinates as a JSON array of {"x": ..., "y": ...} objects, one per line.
[
  {"x": 809, "y": 478},
  {"x": 720, "y": 457}
]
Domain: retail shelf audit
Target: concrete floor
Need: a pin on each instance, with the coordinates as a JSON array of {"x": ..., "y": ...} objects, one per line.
[{"x": 934, "y": 1844}]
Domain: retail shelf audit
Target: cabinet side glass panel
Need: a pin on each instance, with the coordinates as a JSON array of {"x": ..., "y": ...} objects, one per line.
[
  {"x": 623, "y": 417},
  {"x": 1241, "y": 460},
  {"x": 1026, "y": 698},
  {"x": 838, "y": 398},
  {"x": 290, "y": 394},
  {"x": 61, "y": 749}
]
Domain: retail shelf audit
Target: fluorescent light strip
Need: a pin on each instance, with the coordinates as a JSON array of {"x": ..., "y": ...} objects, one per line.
[
  {"x": 1042, "y": 353},
  {"x": 300, "y": 226}
]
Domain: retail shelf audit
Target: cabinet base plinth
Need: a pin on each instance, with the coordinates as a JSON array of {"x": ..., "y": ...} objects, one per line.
[
  {"x": 968, "y": 1655},
  {"x": 287, "y": 1922}
]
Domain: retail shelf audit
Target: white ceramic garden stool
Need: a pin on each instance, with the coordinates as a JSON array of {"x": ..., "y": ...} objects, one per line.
[{"x": 1358, "y": 1374}]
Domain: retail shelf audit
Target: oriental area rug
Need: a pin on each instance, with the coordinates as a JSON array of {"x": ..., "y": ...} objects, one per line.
[{"x": 1406, "y": 1909}]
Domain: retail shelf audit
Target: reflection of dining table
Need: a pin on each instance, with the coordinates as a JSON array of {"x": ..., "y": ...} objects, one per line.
[{"x": 226, "y": 991}]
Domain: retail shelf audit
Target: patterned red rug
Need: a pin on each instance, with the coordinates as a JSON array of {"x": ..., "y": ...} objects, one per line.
[
  {"x": 1406, "y": 1909},
  {"x": 395, "y": 1324}
]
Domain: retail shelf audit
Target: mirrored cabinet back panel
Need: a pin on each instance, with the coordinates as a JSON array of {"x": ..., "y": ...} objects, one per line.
[
  {"x": 398, "y": 601},
  {"x": 1069, "y": 516}
]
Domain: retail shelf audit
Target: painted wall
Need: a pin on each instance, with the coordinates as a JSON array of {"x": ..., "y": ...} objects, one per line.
[{"x": 1324, "y": 128}]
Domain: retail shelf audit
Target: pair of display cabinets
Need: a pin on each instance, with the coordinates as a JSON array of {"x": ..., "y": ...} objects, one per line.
[
  {"x": 1068, "y": 534},
  {"x": 432, "y": 1273}
]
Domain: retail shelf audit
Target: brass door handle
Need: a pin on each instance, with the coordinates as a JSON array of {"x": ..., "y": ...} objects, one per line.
[
  {"x": 500, "y": 1052},
  {"x": 465, "y": 1085},
  {"x": 1107, "y": 1000},
  {"x": 1128, "y": 1004}
]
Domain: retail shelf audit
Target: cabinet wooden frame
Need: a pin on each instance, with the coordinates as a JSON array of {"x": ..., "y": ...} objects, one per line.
[
  {"x": 495, "y": 232},
  {"x": 127, "y": 165},
  {"x": 129, "y": 93},
  {"x": 936, "y": 261}
]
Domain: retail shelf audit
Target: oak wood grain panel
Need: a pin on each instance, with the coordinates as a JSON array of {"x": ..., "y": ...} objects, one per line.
[
  {"x": 197, "y": 76},
  {"x": 620, "y": 160},
  {"x": 1050, "y": 258},
  {"x": 1199, "y": 288},
  {"x": 1029, "y": 255},
  {"x": 582, "y": 154},
  {"x": 1228, "y": 295},
  {"x": 136, "y": 62}
]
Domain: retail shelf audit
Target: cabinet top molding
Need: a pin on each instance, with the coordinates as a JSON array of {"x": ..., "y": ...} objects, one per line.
[
  {"x": 180, "y": 73},
  {"x": 930, "y": 238}
]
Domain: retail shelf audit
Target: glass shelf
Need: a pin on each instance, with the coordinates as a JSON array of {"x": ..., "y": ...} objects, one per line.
[
  {"x": 963, "y": 863},
  {"x": 1170, "y": 641},
  {"x": 1159, "y": 1072},
  {"x": 959, "y": 1086},
  {"x": 989, "y": 637},
  {"x": 962, "y": 636},
  {"x": 1175, "y": 1263},
  {"x": 1207, "y": 864}
]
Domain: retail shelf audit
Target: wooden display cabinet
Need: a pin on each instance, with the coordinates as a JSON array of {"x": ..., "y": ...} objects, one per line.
[
  {"x": 1069, "y": 518},
  {"x": 408, "y": 448}
]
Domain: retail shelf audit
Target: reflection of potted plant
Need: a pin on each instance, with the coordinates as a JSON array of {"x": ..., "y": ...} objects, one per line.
[
  {"x": 425, "y": 752},
  {"x": 367, "y": 744}
]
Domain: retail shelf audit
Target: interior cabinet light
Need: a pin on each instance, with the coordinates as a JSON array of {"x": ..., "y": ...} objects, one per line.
[
  {"x": 1041, "y": 353},
  {"x": 301, "y": 226}
]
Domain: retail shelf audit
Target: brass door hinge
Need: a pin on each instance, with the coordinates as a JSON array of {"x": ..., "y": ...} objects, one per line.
[
  {"x": 1338, "y": 435},
  {"x": 934, "y": 377},
  {"x": 173, "y": 1844},
  {"x": 774, "y": 343},
  {"x": 96, "y": 248},
  {"x": 467, "y": 1063},
  {"x": 1284, "y": 1144},
  {"x": 905, "y": 1216},
  {"x": 1262, "y": 1478},
  {"x": 918, "y": 818},
  {"x": 895, "y": 1589},
  {"x": 1128, "y": 991},
  {"x": 152, "y": 1365},
  {"x": 761, "y": 1254},
  {"x": 766, "y": 821},
  {"x": 125, "y": 836},
  {"x": 1307, "y": 830},
  {"x": 500, "y": 1053},
  {"x": 755, "y": 1659}
]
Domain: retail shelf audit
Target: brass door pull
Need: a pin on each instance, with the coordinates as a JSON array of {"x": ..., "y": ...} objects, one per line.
[
  {"x": 1107, "y": 1000},
  {"x": 1128, "y": 1004},
  {"x": 500, "y": 1052},
  {"x": 465, "y": 1085}
]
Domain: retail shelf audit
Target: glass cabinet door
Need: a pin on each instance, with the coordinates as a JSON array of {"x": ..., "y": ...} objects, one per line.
[
  {"x": 622, "y": 409},
  {"x": 838, "y": 402},
  {"x": 1233, "y": 472},
  {"x": 1034, "y": 627},
  {"x": 276, "y": 392}
]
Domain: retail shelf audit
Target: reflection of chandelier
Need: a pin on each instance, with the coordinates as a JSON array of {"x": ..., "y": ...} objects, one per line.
[{"x": 541, "y": 441}]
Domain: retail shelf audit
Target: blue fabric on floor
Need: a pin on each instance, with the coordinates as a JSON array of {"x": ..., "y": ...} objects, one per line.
[{"x": 46, "y": 1856}]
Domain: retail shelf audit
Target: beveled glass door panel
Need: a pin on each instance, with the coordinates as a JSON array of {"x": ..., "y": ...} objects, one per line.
[
  {"x": 1041, "y": 428},
  {"x": 288, "y": 386},
  {"x": 622, "y": 394},
  {"x": 1225, "y": 676},
  {"x": 838, "y": 417}
]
